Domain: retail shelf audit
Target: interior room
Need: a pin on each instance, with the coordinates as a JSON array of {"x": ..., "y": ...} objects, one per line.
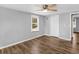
[{"x": 39, "y": 28}]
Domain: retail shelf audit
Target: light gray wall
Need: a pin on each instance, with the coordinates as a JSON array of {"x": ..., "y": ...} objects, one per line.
[
  {"x": 59, "y": 26},
  {"x": 47, "y": 25},
  {"x": 15, "y": 26},
  {"x": 64, "y": 26}
]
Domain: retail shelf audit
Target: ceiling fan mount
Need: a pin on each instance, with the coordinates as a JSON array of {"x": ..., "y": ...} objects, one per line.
[
  {"x": 48, "y": 7},
  {"x": 45, "y": 6}
]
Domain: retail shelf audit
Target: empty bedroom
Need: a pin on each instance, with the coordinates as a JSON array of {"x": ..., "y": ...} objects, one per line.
[{"x": 39, "y": 28}]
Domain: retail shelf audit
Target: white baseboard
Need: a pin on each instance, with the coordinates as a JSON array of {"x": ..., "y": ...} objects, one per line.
[
  {"x": 67, "y": 39},
  {"x": 21, "y": 41},
  {"x": 46, "y": 34}
]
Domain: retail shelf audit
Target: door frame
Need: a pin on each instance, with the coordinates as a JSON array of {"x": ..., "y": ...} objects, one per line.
[{"x": 71, "y": 24}]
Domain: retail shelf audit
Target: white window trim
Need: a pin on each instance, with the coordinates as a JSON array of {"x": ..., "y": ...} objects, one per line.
[{"x": 37, "y": 29}]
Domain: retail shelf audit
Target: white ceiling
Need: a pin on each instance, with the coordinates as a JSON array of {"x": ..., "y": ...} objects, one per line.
[{"x": 61, "y": 8}]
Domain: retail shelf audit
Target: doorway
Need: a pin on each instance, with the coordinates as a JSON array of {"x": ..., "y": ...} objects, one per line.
[{"x": 75, "y": 28}]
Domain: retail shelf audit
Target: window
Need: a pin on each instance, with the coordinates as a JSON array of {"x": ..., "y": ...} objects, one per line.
[{"x": 34, "y": 23}]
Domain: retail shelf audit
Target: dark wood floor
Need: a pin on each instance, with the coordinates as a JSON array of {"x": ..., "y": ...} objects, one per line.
[{"x": 42, "y": 45}]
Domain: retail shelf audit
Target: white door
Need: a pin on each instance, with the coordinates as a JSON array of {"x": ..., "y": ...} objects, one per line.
[{"x": 54, "y": 25}]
